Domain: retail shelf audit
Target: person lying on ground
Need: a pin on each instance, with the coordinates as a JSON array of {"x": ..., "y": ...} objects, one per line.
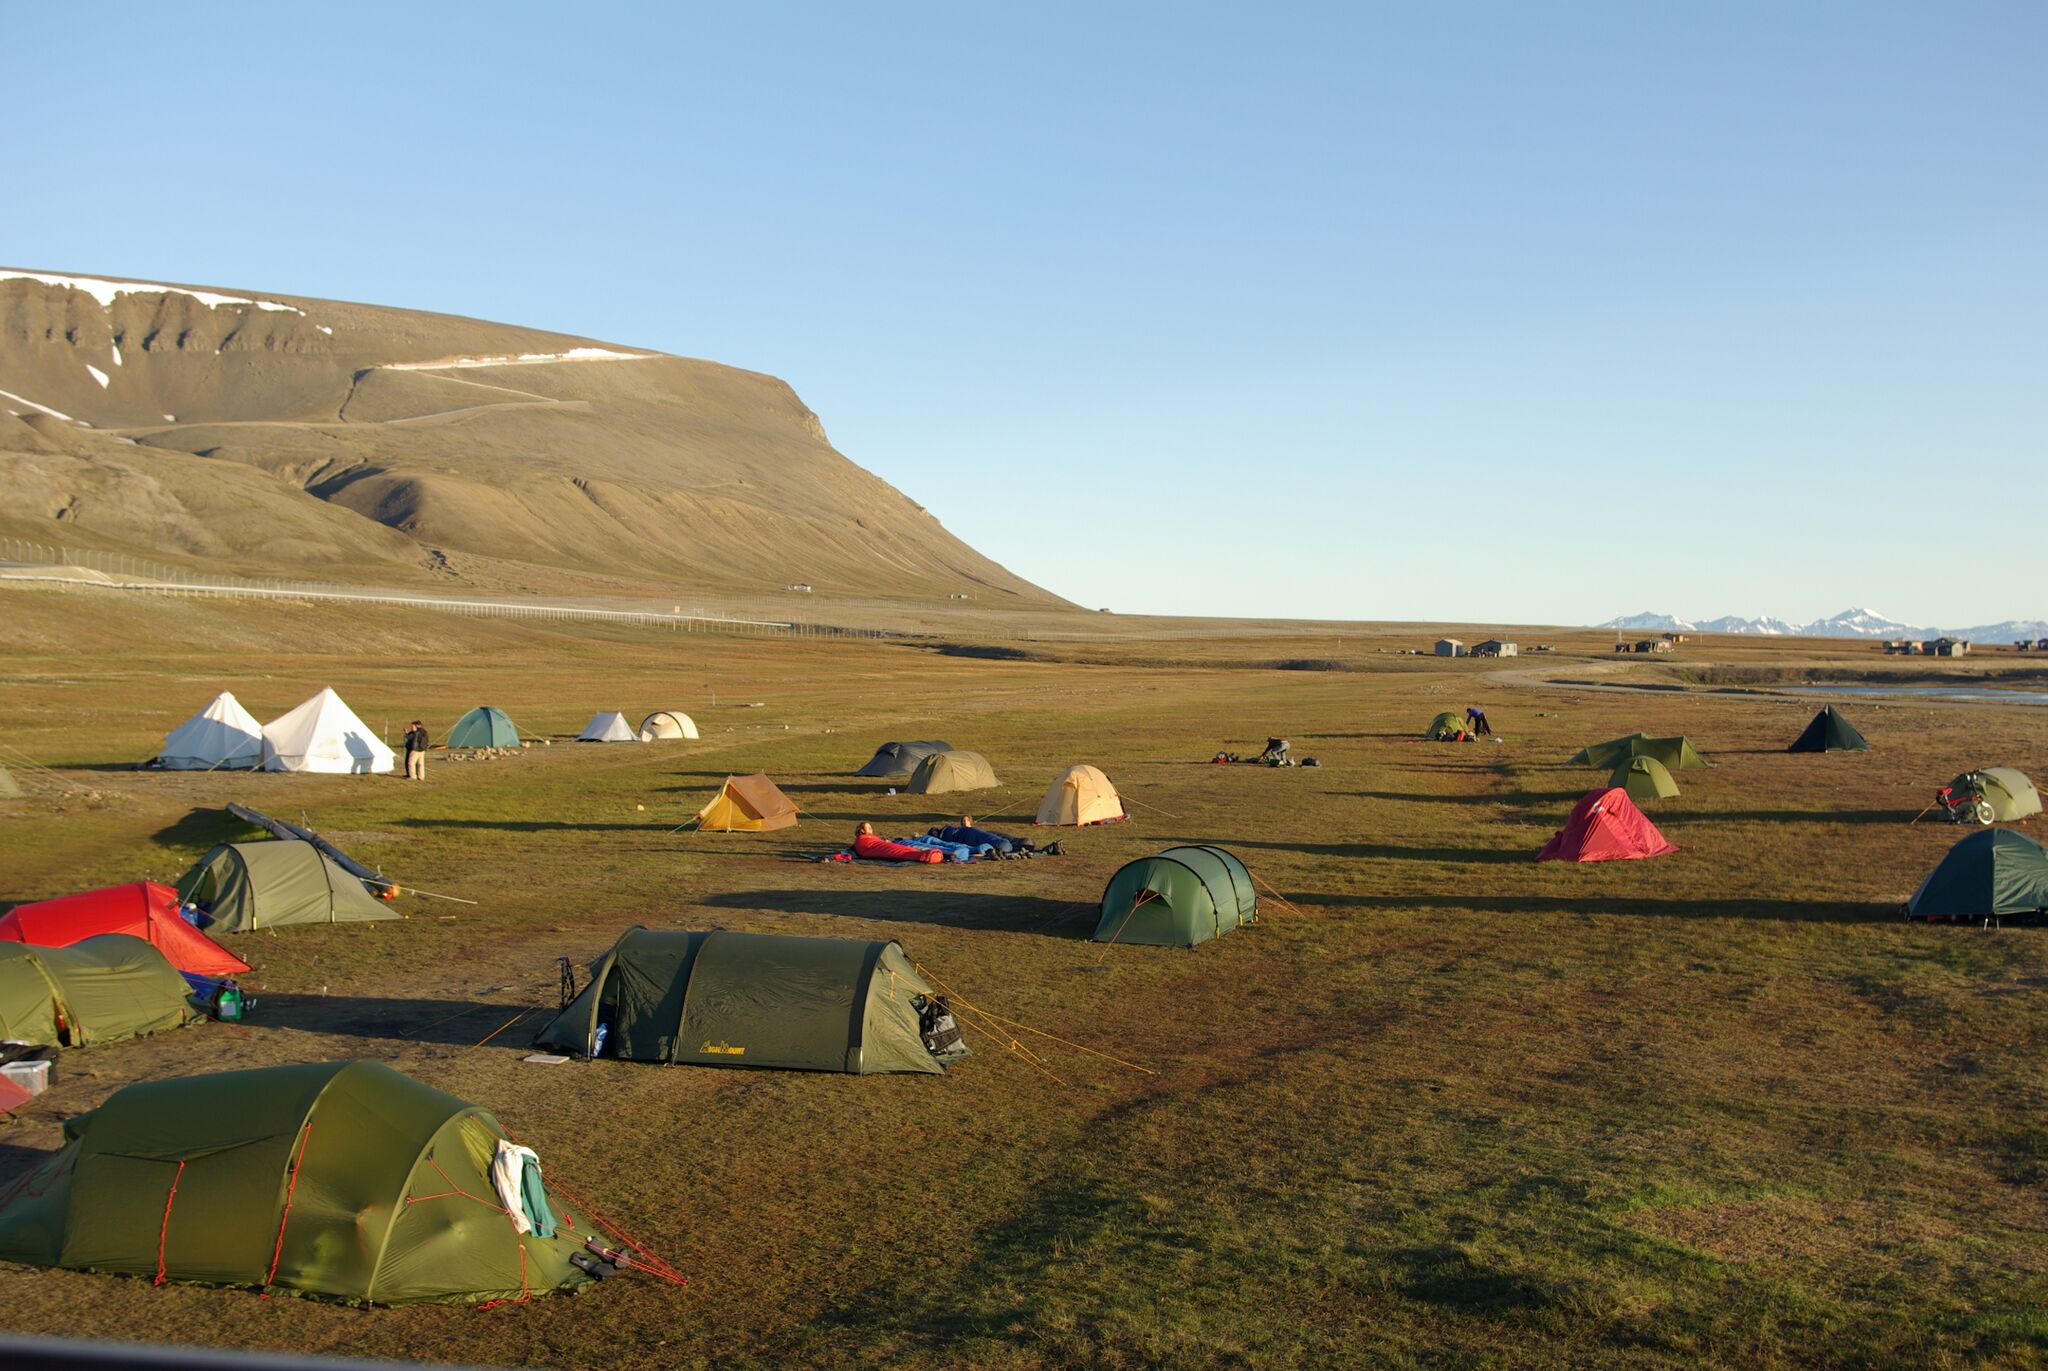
[
  {"x": 870, "y": 848},
  {"x": 1001, "y": 844}
]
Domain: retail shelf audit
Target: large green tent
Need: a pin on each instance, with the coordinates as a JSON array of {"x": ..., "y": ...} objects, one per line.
[
  {"x": 99, "y": 990},
  {"x": 1180, "y": 897},
  {"x": 1445, "y": 726},
  {"x": 1677, "y": 754},
  {"x": 1644, "y": 778},
  {"x": 1994, "y": 873},
  {"x": 484, "y": 726},
  {"x": 245, "y": 886},
  {"x": 1829, "y": 732},
  {"x": 345, "y": 1180},
  {"x": 751, "y": 999}
]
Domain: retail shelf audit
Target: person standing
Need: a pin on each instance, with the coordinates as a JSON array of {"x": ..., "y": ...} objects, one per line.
[
  {"x": 416, "y": 751},
  {"x": 1475, "y": 718}
]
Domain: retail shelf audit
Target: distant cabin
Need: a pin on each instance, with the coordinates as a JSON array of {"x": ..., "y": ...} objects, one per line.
[
  {"x": 1948, "y": 647},
  {"x": 802, "y": 587},
  {"x": 1654, "y": 645},
  {"x": 1449, "y": 647},
  {"x": 1494, "y": 647},
  {"x": 1902, "y": 647}
]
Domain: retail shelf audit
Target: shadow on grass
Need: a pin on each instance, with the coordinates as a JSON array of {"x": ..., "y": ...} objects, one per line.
[
  {"x": 455, "y": 1023},
  {"x": 1790, "y": 911},
  {"x": 541, "y": 825},
  {"x": 205, "y": 827},
  {"x": 1512, "y": 797},
  {"x": 1384, "y": 851},
  {"x": 941, "y": 907},
  {"x": 1802, "y": 816}
]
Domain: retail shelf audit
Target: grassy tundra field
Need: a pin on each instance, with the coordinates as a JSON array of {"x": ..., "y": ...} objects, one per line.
[{"x": 1443, "y": 1106}]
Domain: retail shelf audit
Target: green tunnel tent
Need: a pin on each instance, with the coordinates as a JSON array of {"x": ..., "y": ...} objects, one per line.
[
  {"x": 484, "y": 726},
  {"x": 341, "y": 1180},
  {"x": 1445, "y": 726},
  {"x": 247, "y": 886},
  {"x": 1677, "y": 754},
  {"x": 1644, "y": 778},
  {"x": 751, "y": 999},
  {"x": 1829, "y": 732},
  {"x": 1994, "y": 873},
  {"x": 2006, "y": 789},
  {"x": 899, "y": 761},
  {"x": 98, "y": 990},
  {"x": 1177, "y": 898}
]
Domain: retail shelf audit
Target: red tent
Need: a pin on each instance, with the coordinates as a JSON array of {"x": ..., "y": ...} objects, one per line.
[
  {"x": 1605, "y": 826},
  {"x": 144, "y": 910}
]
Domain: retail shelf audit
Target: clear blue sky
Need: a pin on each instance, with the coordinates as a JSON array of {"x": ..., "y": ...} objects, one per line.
[{"x": 1495, "y": 311}]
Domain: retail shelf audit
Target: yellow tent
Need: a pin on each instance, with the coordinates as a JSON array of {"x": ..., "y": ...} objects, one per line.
[
  {"x": 747, "y": 804},
  {"x": 1080, "y": 795},
  {"x": 944, "y": 771}
]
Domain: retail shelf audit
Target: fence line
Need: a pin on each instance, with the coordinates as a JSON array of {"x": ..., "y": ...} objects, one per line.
[{"x": 19, "y": 559}]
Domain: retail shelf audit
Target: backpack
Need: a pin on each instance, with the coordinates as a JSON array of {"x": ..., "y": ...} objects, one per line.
[{"x": 938, "y": 1028}]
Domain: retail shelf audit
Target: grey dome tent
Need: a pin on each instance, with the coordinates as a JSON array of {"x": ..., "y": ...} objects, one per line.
[
  {"x": 1180, "y": 897},
  {"x": 1994, "y": 873},
  {"x": 897, "y": 761},
  {"x": 1829, "y": 732},
  {"x": 246, "y": 886},
  {"x": 484, "y": 726},
  {"x": 751, "y": 999}
]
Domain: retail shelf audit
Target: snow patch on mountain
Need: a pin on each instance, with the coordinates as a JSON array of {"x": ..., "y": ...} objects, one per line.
[
  {"x": 106, "y": 291},
  {"x": 1850, "y": 623}
]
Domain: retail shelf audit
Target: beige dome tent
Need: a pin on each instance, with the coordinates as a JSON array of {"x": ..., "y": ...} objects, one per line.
[
  {"x": 945, "y": 771},
  {"x": 663, "y": 724},
  {"x": 2007, "y": 790},
  {"x": 1080, "y": 795},
  {"x": 608, "y": 726}
]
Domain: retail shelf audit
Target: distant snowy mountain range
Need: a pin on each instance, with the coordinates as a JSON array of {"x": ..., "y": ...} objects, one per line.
[{"x": 1850, "y": 623}]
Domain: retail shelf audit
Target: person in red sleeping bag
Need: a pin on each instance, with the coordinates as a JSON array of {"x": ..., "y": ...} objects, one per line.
[{"x": 871, "y": 848}]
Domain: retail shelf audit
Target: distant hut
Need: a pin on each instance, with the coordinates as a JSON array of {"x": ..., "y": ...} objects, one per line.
[
  {"x": 1494, "y": 647},
  {"x": 1449, "y": 647}
]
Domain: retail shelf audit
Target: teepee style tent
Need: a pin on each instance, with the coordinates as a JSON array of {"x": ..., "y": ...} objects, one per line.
[
  {"x": 947, "y": 771},
  {"x": 323, "y": 735},
  {"x": 610, "y": 726},
  {"x": 1829, "y": 732},
  {"x": 142, "y": 910},
  {"x": 101, "y": 990},
  {"x": 899, "y": 761},
  {"x": 484, "y": 726},
  {"x": 247, "y": 886},
  {"x": 752, "y": 999},
  {"x": 747, "y": 804},
  {"x": 2008, "y": 791},
  {"x": 1183, "y": 896},
  {"x": 1605, "y": 826},
  {"x": 1677, "y": 754},
  {"x": 1644, "y": 778},
  {"x": 665, "y": 724},
  {"x": 221, "y": 736},
  {"x": 344, "y": 1180},
  {"x": 1994, "y": 873},
  {"x": 1080, "y": 795}
]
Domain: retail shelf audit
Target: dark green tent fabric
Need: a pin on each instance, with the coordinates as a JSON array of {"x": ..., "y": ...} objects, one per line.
[
  {"x": 1677, "y": 754},
  {"x": 340, "y": 1179},
  {"x": 1644, "y": 778},
  {"x": 1829, "y": 732},
  {"x": 101, "y": 990},
  {"x": 484, "y": 726},
  {"x": 246, "y": 886},
  {"x": 1993, "y": 873},
  {"x": 897, "y": 761},
  {"x": 1177, "y": 898},
  {"x": 751, "y": 999},
  {"x": 10, "y": 789},
  {"x": 1444, "y": 725}
]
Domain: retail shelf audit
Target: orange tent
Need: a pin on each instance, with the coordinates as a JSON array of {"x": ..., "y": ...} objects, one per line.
[
  {"x": 747, "y": 804},
  {"x": 1605, "y": 826},
  {"x": 143, "y": 910}
]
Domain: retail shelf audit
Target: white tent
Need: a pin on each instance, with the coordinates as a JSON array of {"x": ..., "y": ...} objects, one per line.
[
  {"x": 222, "y": 735},
  {"x": 667, "y": 723},
  {"x": 608, "y": 727},
  {"x": 323, "y": 734}
]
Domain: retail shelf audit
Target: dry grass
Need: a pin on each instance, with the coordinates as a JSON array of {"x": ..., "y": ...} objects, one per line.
[{"x": 1722, "y": 1107}]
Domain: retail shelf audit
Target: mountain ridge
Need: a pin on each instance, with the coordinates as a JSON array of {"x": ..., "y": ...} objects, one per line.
[{"x": 1850, "y": 623}]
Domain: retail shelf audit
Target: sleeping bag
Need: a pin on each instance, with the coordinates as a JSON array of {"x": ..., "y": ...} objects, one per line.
[
  {"x": 978, "y": 838},
  {"x": 870, "y": 848}
]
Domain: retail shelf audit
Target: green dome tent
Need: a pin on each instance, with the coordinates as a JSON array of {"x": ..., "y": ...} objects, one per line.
[
  {"x": 245, "y": 886},
  {"x": 1677, "y": 754},
  {"x": 947, "y": 771},
  {"x": 1994, "y": 873},
  {"x": 1180, "y": 897},
  {"x": 751, "y": 999},
  {"x": 1829, "y": 732},
  {"x": 1444, "y": 726},
  {"x": 1644, "y": 778},
  {"x": 484, "y": 726},
  {"x": 898, "y": 761},
  {"x": 345, "y": 1180},
  {"x": 98, "y": 990}
]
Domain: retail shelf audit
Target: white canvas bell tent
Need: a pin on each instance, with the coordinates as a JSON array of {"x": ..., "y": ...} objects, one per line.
[
  {"x": 323, "y": 735},
  {"x": 608, "y": 727},
  {"x": 219, "y": 737}
]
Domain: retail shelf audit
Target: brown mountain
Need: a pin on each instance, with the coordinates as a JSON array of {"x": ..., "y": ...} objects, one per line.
[{"x": 288, "y": 435}]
